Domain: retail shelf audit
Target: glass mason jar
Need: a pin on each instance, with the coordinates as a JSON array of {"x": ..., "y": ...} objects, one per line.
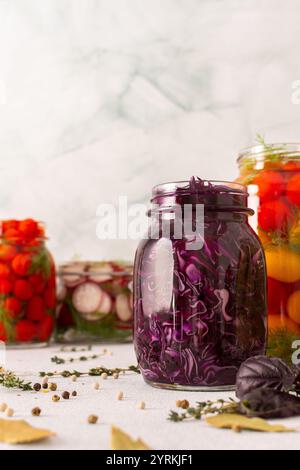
[
  {"x": 27, "y": 284},
  {"x": 199, "y": 311},
  {"x": 94, "y": 301},
  {"x": 272, "y": 174}
]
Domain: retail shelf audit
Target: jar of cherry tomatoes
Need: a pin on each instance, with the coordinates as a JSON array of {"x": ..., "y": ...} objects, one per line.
[
  {"x": 272, "y": 175},
  {"x": 27, "y": 284}
]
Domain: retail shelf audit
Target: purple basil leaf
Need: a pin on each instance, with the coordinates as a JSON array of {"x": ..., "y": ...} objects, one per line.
[
  {"x": 268, "y": 403},
  {"x": 264, "y": 372}
]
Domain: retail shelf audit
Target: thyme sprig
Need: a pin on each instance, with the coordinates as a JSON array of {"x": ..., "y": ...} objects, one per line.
[
  {"x": 204, "y": 408},
  {"x": 61, "y": 360},
  {"x": 10, "y": 380},
  {"x": 95, "y": 371}
]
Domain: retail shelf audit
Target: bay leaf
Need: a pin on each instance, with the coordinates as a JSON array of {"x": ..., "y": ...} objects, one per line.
[
  {"x": 20, "y": 432},
  {"x": 238, "y": 422},
  {"x": 122, "y": 441}
]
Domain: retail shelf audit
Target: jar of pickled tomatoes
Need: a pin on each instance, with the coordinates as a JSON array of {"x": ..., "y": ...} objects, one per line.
[
  {"x": 272, "y": 175},
  {"x": 27, "y": 284}
]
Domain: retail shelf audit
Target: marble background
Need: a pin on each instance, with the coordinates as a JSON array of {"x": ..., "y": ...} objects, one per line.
[{"x": 106, "y": 97}]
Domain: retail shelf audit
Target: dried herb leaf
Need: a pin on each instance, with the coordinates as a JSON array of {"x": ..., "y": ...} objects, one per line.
[
  {"x": 268, "y": 403},
  {"x": 264, "y": 372},
  {"x": 20, "y": 432},
  {"x": 122, "y": 441},
  {"x": 10, "y": 380},
  {"x": 238, "y": 422}
]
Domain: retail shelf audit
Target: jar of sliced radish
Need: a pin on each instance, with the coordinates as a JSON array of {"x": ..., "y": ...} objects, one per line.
[{"x": 94, "y": 301}]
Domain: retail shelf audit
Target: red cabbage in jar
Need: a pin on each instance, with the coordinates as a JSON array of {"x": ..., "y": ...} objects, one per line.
[{"x": 199, "y": 311}]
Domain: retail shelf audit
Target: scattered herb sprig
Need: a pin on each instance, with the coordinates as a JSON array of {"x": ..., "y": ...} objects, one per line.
[
  {"x": 10, "y": 380},
  {"x": 95, "y": 371},
  {"x": 266, "y": 387},
  {"x": 61, "y": 360},
  {"x": 204, "y": 408}
]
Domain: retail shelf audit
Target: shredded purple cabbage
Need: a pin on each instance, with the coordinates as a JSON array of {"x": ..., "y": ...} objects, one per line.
[{"x": 199, "y": 314}]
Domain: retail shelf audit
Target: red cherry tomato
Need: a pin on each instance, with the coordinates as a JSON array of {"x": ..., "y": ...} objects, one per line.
[
  {"x": 278, "y": 293},
  {"x": 7, "y": 252},
  {"x": 293, "y": 190},
  {"x": 29, "y": 228},
  {"x": 5, "y": 287},
  {"x": 13, "y": 306},
  {"x": 21, "y": 264},
  {"x": 45, "y": 328},
  {"x": 292, "y": 166},
  {"x": 9, "y": 224},
  {"x": 38, "y": 283},
  {"x": 3, "y": 336},
  {"x": 275, "y": 215},
  {"x": 23, "y": 290},
  {"x": 270, "y": 184},
  {"x": 4, "y": 271},
  {"x": 36, "y": 309},
  {"x": 14, "y": 235},
  {"x": 25, "y": 331}
]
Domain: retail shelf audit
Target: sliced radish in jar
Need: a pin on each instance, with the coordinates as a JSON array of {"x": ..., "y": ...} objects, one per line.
[
  {"x": 123, "y": 310},
  {"x": 73, "y": 274},
  {"x": 87, "y": 297},
  {"x": 101, "y": 273},
  {"x": 104, "y": 308},
  {"x": 105, "y": 304}
]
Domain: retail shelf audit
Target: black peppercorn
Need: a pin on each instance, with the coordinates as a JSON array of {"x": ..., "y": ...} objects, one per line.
[
  {"x": 45, "y": 386},
  {"x": 36, "y": 411},
  {"x": 37, "y": 387},
  {"x": 74, "y": 394},
  {"x": 66, "y": 395}
]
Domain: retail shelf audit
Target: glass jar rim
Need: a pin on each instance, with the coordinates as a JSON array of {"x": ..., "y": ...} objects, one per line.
[
  {"x": 168, "y": 188},
  {"x": 261, "y": 152},
  {"x": 214, "y": 195}
]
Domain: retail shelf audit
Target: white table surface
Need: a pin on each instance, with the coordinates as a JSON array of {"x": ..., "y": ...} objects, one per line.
[{"x": 68, "y": 418}]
